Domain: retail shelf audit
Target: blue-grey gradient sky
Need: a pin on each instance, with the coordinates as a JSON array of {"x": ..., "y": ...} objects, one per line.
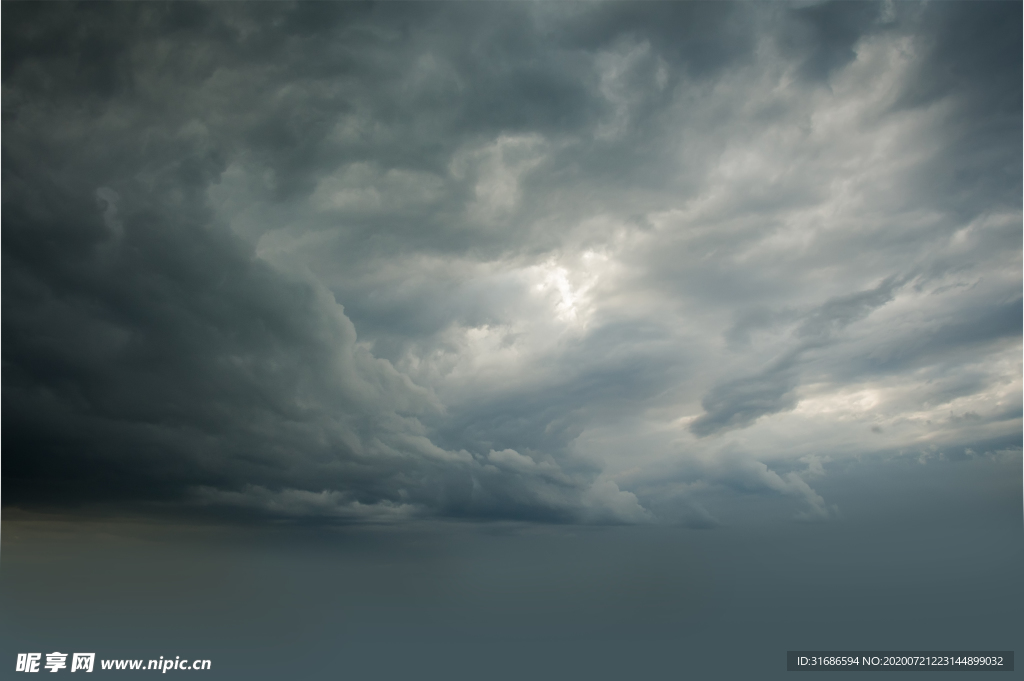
[{"x": 679, "y": 267}]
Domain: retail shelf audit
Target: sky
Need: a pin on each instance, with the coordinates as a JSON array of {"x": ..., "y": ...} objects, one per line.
[{"x": 492, "y": 273}]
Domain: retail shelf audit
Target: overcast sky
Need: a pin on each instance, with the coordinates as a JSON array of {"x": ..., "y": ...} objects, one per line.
[{"x": 669, "y": 263}]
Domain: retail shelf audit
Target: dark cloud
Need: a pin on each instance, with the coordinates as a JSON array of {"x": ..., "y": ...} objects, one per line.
[
  {"x": 700, "y": 37},
  {"x": 365, "y": 262},
  {"x": 822, "y": 36},
  {"x": 969, "y": 60}
]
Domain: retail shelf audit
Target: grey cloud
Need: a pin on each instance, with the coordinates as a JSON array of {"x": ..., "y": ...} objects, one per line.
[
  {"x": 966, "y": 51},
  {"x": 683, "y": 488},
  {"x": 972, "y": 328},
  {"x": 740, "y": 402},
  {"x": 823, "y": 35},
  {"x": 840, "y": 312},
  {"x": 758, "y": 319},
  {"x": 613, "y": 372},
  {"x": 330, "y": 259},
  {"x": 162, "y": 361}
]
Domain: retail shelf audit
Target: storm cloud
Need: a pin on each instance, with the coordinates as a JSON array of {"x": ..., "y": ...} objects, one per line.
[{"x": 557, "y": 262}]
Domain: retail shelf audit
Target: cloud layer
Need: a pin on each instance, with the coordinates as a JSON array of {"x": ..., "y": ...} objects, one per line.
[{"x": 562, "y": 262}]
